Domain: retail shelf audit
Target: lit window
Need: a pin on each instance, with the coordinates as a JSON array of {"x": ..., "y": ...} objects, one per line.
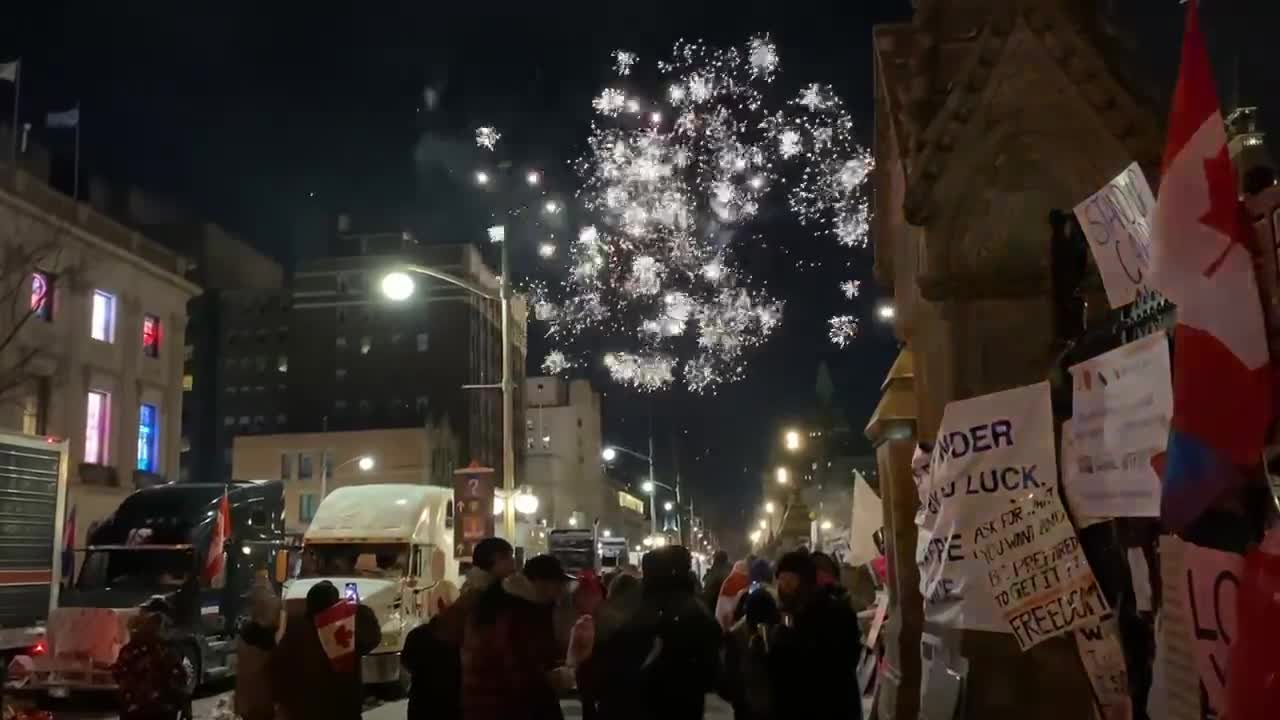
[
  {"x": 188, "y": 382},
  {"x": 340, "y": 373},
  {"x": 102, "y": 325},
  {"x": 528, "y": 424},
  {"x": 97, "y": 420},
  {"x": 306, "y": 507},
  {"x": 424, "y": 342},
  {"x": 244, "y": 421},
  {"x": 366, "y": 344},
  {"x": 42, "y": 296},
  {"x": 339, "y": 404},
  {"x": 282, "y": 364},
  {"x": 340, "y": 341},
  {"x": 228, "y": 421},
  {"x": 151, "y": 336},
  {"x": 148, "y": 437}
]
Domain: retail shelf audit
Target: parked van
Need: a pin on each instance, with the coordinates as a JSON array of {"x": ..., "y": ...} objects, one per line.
[{"x": 389, "y": 547}]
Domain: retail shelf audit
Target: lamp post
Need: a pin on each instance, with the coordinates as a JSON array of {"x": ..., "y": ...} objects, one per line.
[
  {"x": 399, "y": 286},
  {"x": 611, "y": 453},
  {"x": 364, "y": 462}
]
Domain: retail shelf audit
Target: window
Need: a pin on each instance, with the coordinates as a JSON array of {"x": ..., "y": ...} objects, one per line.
[
  {"x": 424, "y": 342},
  {"x": 231, "y": 363},
  {"x": 282, "y": 364},
  {"x": 151, "y": 336},
  {"x": 364, "y": 407},
  {"x": 306, "y": 507},
  {"x": 366, "y": 344},
  {"x": 188, "y": 352},
  {"x": 102, "y": 325},
  {"x": 579, "y": 422},
  {"x": 340, "y": 405},
  {"x": 528, "y": 424},
  {"x": 97, "y": 421},
  {"x": 286, "y": 466},
  {"x": 148, "y": 437},
  {"x": 340, "y": 373},
  {"x": 244, "y": 421},
  {"x": 35, "y": 408},
  {"x": 228, "y": 421},
  {"x": 188, "y": 382},
  {"x": 260, "y": 363},
  {"x": 395, "y": 338},
  {"x": 282, "y": 418},
  {"x": 420, "y": 403},
  {"x": 304, "y": 466},
  {"x": 42, "y": 296},
  {"x": 341, "y": 341},
  {"x": 231, "y": 389}
]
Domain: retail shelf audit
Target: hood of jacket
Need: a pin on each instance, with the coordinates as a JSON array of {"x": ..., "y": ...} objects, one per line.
[
  {"x": 477, "y": 579},
  {"x": 522, "y": 587}
]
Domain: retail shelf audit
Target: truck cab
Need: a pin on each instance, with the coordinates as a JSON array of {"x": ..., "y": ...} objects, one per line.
[
  {"x": 389, "y": 546},
  {"x": 155, "y": 544}
]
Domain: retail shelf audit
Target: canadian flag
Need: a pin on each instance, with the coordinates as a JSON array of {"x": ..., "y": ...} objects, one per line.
[
  {"x": 337, "y": 629},
  {"x": 1201, "y": 262},
  {"x": 215, "y": 561}
]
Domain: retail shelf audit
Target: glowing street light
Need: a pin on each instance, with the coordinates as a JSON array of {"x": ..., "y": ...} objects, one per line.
[
  {"x": 792, "y": 440},
  {"x": 551, "y": 207},
  {"x": 769, "y": 507},
  {"x": 397, "y": 286},
  {"x": 782, "y": 475},
  {"x": 648, "y": 541},
  {"x": 609, "y": 455},
  {"x": 533, "y": 177},
  {"x": 647, "y": 487},
  {"x": 607, "y": 532},
  {"x": 826, "y": 525},
  {"x": 482, "y": 178},
  {"x": 546, "y": 250},
  {"x": 668, "y": 505},
  {"x": 366, "y": 463},
  {"x": 755, "y": 536},
  {"x": 764, "y": 524},
  {"x": 886, "y": 312},
  {"x": 526, "y": 503}
]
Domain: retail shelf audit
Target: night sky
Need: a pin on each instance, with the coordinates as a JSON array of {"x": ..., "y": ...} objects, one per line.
[{"x": 271, "y": 117}]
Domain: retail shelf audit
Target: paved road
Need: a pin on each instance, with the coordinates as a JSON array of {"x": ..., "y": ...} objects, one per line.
[{"x": 206, "y": 707}]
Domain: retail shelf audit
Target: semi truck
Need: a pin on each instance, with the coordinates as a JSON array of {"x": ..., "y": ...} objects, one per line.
[
  {"x": 156, "y": 543},
  {"x": 389, "y": 547},
  {"x": 33, "y": 496}
]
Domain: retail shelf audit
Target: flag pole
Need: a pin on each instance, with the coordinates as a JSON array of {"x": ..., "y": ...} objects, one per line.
[
  {"x": 75, "y": 182},
  {"x": 17, "y": 94}
]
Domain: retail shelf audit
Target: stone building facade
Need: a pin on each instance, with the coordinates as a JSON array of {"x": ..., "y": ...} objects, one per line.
[
  {"x": 94, "y": 320},
  {"x": 989, "y": 115}
]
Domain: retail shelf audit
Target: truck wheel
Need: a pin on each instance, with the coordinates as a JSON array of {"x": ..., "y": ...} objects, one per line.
[{"x": 395, "y": 689}]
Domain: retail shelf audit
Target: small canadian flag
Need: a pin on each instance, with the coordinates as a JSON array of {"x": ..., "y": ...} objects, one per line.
[{"x": 337, "y": 629}]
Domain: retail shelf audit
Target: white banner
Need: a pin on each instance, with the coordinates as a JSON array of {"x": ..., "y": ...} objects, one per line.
[
  {"x": 1102, "y": 655},
  {"x": 1123, "y": 403},
  {"x": 1117, "y": 222},
  {"x": 990, "y": 450}
]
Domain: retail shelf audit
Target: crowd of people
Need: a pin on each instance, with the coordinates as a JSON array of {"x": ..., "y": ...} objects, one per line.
[{"x": 774, "y": 640}]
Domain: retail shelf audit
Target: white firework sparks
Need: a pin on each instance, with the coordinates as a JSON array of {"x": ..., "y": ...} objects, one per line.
[
  {"x": 622, "y": 62},
  {"x": 555, "y": 363},
  {"x": 672, "y": 192},
  {"x": 844, "y": 328},
  {"x": 610, "y": 102},
  {"x": 497, "y": 233},
  {"x": 850, "y": 288},
  {"x": 487, "y": 137}
]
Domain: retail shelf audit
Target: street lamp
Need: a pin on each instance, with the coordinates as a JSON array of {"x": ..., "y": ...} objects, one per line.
[
  {"x": 764, "y": 524},
  {"x": 364, "y": 463},
  {"x": 533, "y": 177},
  {"x": 526, "y": 503},
  {"x": 886, "y": 312},
  {"x": 482, "y": 177},
  {"x": 607, "y": 532},
  {"x": 610, "y": 453},
  {"x": 782, "y": 476},
  {"x": 769, "y": 507},
  {"x": 398, "y": 286},
  {"x": 826, "y": 525},
  {"x": 755, "y": 536},
  {"x": 792, "y": 440},
  {"x": 667, "y": 506}
]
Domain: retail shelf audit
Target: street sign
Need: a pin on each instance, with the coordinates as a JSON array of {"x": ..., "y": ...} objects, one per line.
[{"x": 473, "y": 508}]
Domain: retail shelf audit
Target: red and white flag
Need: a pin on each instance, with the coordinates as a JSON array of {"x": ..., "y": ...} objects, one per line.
[
  {"x": 215, "y": 559},
  {"x": 1202, "y": 263},
  {"x": 337, "y": 629}
]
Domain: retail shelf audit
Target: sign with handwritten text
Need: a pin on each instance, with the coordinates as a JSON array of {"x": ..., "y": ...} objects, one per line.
[
  {"x": 990, "y": 451},
  {"x": 1117, "y": 223}
]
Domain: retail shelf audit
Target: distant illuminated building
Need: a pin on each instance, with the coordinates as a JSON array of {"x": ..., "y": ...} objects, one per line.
[{"x": 1247, "y": 142}]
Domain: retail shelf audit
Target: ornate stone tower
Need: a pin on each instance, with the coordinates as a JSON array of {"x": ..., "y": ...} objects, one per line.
[{"x": 989, "y": 115}]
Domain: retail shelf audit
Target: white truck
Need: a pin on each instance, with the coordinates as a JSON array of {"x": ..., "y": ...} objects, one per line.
[{"x": 391, "y": 547}]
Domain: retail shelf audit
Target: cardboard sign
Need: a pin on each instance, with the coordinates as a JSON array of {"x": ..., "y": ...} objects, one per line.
[
  {"x": 1037, "y": 570},
  {"x": 1175, "y": 689},
  {"x": 1211, "y": 586},
  {"x": 1117, "y": 223},
  {"x": 1102, "y": 655},
  {"x": 1122, "y": 402},
  {"x": 990, "y": 451}
]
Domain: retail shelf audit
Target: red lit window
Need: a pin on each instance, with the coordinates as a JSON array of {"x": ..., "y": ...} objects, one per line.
[
  {"x": 42, "y": 296},
  {"x": 151, "y": 336}
]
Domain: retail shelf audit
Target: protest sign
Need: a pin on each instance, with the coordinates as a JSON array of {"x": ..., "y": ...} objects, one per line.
[
  {"x": 1117, "y": 223},
  {"x": 1102, "y": 655},
  {"x": 1037, "y": 570},
  {"x": 990, "y": 450},
  {"x": 1069, "y": 463},
  {"x": 1175, "y": 690},
  {"x": 1122, "y": 403},
  {"x": 1212, "y": 584}
]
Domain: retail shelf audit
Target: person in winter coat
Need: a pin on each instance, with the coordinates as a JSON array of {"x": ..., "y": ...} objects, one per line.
[
  {"x": 257, "y": 639},
  {"x": 813, "y": 658},
  {"x": 588, "y": 597},
  {"x": 747, "y": 684},
  {"x": 150, "y": 671},
  {"x": 715, "y": 577},
  {"x": 512, "y": 666},
  {"x": 311, "y": 682},
  {"x": 664, "y": 660},
  {"x": 432, "y": 652}
]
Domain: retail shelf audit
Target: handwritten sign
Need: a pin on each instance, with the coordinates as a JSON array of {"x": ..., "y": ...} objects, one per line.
[
  {"x": 1037, "y": 570},
  {"x": 990, "y": 451},
  {"x": 1122, "y": 402},
  {"x": 1117, "y": 223},
  {"x": 1102, "y": 655},
  {"x": 1212, "y": 584},
  {"x": 1175, "y": 690}
]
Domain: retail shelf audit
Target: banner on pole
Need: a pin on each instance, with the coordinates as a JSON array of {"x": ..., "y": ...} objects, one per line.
[
  {"x": 1117, "y": 223},
  {"x": 1122, "y": 404}
]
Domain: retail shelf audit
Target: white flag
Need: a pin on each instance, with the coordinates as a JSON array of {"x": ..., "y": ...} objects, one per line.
[
  {"x": 65, "y": 119},
  {"x": 9, "y": 71}
]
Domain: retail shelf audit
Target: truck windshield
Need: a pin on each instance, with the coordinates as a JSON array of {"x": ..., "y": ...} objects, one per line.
[
  {"x": 103, "y": 569},
  {"x": 372, "y": 560}
]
